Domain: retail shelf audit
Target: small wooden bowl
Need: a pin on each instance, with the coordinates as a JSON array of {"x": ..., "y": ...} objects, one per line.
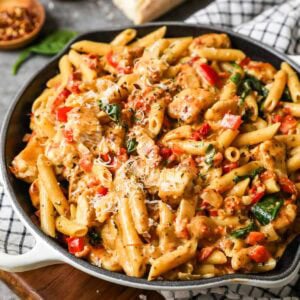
[{"x": 34, "y": 6}]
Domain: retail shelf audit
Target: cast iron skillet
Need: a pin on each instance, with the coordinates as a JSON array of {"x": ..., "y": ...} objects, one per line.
[{"x": 16, "y": 124}]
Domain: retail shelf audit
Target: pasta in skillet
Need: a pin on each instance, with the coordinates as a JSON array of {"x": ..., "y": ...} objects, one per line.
[{"x": 166, "y": 158}]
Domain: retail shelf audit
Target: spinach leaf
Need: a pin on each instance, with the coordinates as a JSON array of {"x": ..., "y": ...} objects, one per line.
[
  {"x": 243, "y": 232},
  {"x": 250, "y": 83},
  {"x": 94, "y": 237},
  {"x": 286, "y": 96},
  {"x": 267, "y": 209},
  {"x": 131, "y": 145},
  {"x": 20, "y": 60},
  {"x": 113, "y": 110},
  {"x": 236, "y": 78},
  {"x": 50, "y": 45},
  {"x": 210, "y": 154},
  {"x": 53, "y": 43},
  {"x": 252, "y": 175}
]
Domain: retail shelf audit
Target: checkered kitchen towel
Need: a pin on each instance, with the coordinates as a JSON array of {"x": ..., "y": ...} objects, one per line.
[{"x": 273, "y": 22}]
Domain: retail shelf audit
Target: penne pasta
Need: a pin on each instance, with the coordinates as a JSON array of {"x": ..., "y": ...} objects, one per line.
[
  {"x": 292, "y": 82},
  {"x": 220, "y": 54},
  {"x": 172, "y": 259},
  {"x": 257, "y": 136}
]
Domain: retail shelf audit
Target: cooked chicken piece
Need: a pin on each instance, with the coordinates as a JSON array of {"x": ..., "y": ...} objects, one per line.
[
  {"x": 273, "y": 156},
  {"x": 24, "y": 164},
  {"x": 188, "y": 104},
  {"x": 261, "y": 70}
]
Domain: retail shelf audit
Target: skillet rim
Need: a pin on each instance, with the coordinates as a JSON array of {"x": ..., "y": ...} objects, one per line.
[{"x": 250, "y": 279}]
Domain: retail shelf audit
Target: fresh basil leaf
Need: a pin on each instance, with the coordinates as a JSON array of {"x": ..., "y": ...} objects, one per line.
[
  {"x": 249, "y": 84},
  {"x": 113, "y": 110},
  {"x": 131, "y": 145},
  {"x": 239, "y": 178},
  {"x": 210, "y": 154},
  {"x": 254, "y": 173},
  {"x": 267, "y": 209},
  {"x": 257, "y": 171},
  {"x": 20, "y": 60},
  {"x": 243, "y": 232},
  {"x": 53, "y": 43},
  {"x": 50, "y": 45}
]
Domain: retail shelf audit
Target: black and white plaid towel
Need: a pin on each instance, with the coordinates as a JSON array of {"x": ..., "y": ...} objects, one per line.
[{"x": 273, "y": 22}]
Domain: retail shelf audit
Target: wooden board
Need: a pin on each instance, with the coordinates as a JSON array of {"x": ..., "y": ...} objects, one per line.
[{"x": 65, "y": 282}]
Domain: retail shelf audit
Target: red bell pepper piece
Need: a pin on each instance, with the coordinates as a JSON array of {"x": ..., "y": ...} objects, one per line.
[
  {"x": 287, "y": 185},
  {"x": 102, "y": 191},
  {"x": 209, "y": 74},
  {"x": 256, "y": 193},
  {"x": 228, "y": 167},
  {"x": 202, "y": 132},
  {"x": 244, "y": 62},
  {"x": 230, "y": 121},
  {"x": 259, "y": 254},
  {"x": 165, "y": 153},
  {"x": 288, "y": 123},
  {"x": 75, "y": 244},
  {"x": 60, "y": 99},
  {"x": 68, "y": 135},
  {"x": 205, "y": 253},
  {"x": 255, "y": 237},
  {"x": 111, "y": 59},
  {"x": 62, "y": 113},
  {"x": 86, "y": 164}
]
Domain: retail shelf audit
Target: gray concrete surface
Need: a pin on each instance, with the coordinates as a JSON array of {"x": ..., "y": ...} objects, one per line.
[{"x": 81, "y": 16}]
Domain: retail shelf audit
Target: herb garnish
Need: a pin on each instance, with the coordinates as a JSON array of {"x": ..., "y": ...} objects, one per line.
[
  {"x": 113, "y": 111},
  {"x": 267, "y": 209},
  {"x": 244, "y": 231},
  {"x": 94, "y": 237},
  {"x": 210, "y": 154},
  {"x": 254, "y": 173},
  {"x": 131, "y": 145}
]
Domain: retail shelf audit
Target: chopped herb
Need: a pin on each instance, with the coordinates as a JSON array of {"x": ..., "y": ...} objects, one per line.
[
  {"x": 243, "y": 232},
  {"x": 267, "y": 209},
  {"x": 131, "y": 145},
  {"x": 286, "y": 96},
  {"x": 249, "y": 84},
  {"x": 254, "y": 173},
  {"x": 236, "y": 78},
  {"x": 113, "y": 110},
  {"x": 94, "y": 237},
  {"x": 210, "y": 154}
]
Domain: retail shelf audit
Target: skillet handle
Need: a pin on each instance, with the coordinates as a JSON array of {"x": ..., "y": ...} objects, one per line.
[
  {"x": 39, "y": 256},
  {"x": 295, "y": 58}
]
